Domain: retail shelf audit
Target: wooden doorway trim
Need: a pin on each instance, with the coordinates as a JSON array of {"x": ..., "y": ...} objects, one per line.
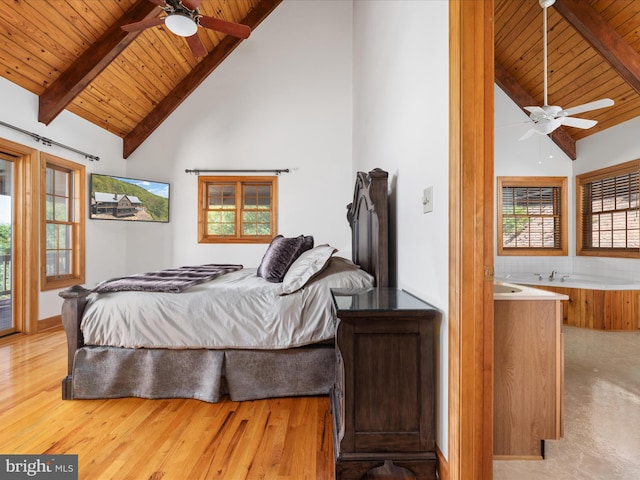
[
  {"x": 25, "y": 235},
  {"x": 471, "y": 240}
]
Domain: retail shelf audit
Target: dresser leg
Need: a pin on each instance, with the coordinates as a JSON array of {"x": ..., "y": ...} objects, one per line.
[
  {"x": 390, "y": 470},
  {"x": 354, "y": 470}
]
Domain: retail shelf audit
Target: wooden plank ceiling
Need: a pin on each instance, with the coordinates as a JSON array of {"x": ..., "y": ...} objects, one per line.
[
  {"x": 74, "y": 56},
  {"x": 593, "y": 50}
]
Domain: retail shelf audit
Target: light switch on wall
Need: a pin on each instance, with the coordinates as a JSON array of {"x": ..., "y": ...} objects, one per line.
[{"x": 427, "y": 200}]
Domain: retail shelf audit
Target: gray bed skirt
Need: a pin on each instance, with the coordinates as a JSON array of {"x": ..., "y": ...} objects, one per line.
[{"x": 207, "y": 375}]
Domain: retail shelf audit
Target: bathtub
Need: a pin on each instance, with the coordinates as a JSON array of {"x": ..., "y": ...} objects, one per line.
[
  {"x": 596, "y": 302},
  {"x": 569, "y": 280}
]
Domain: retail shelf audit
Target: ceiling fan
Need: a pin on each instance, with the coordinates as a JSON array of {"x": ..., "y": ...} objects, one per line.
[
  {"x": 183, "y": 18},
  {"x": 549, "y": 117}
]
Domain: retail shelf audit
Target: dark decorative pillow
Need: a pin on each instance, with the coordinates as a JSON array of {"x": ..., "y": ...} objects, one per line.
[
  {"x": 307, "y": 244},
  {"x": 281, "y": 254}
]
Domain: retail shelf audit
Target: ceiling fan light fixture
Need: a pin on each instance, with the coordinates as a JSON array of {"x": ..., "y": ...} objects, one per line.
[
  {"x": 547, "y": 125},
  {"x": 181, "y": 24}
]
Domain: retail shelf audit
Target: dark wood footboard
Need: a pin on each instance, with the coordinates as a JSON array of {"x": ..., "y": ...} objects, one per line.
[{"x": 75, "y": 299}]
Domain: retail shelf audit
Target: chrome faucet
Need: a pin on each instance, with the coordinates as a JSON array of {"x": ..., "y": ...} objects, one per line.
[{"x": 552, "y": 276}]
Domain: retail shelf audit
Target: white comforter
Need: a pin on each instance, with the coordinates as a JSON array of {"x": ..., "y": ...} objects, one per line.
[{"x": 236, "y": 310}]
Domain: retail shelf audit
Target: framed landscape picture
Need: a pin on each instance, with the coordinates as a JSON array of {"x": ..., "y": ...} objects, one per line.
[{"x": 131, "y": 199}]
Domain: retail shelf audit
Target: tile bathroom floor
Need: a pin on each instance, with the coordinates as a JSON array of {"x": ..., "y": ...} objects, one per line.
[{"x": 602, "y": 413}]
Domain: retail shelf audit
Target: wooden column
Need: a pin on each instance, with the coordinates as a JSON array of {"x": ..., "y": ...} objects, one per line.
[{"x": 470, "y": 319}]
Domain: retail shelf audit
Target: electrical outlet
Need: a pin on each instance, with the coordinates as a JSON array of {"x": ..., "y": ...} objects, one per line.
[{"x": 427, "y": 200}]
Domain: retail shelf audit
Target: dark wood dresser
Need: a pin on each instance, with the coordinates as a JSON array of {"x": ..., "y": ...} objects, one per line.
[{"x": 383, "y": 399}]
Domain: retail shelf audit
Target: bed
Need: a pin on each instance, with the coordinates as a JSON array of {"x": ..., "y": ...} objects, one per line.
[{"x": 131, "y": 360}]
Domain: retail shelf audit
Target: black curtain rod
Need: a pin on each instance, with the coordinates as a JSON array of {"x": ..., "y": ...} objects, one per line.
[
  {"x": 199, "y": 171},
  {"x": 48, "y": 142}
]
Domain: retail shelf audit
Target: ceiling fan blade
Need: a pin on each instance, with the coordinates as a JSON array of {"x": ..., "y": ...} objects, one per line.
[
  {"x": 534, "y": 109},
  {"x": 191, "y": 4},
  {"x": 528, "y": 122},
  {"x": 197, "y": 47},
  {"x": 230, "y": 28},
  {"x": 577, "y": 122},
  {"x": 605, "y": 102},
  {"x": 527, "y": 134},
  {"x": 149, "y": 22}
]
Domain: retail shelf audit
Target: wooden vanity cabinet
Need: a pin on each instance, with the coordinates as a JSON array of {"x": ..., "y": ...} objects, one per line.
[
  {"x": 383, "y": 399},
  {"x": 528, "y": 377}
]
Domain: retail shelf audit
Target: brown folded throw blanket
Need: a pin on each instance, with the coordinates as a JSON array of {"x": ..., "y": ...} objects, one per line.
[{"x": 172, "y": 280}]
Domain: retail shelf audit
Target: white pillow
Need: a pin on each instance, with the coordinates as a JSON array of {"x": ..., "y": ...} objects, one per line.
[
  {"x": 305, "y": 267},
  {"x": 343, "y": 273}
]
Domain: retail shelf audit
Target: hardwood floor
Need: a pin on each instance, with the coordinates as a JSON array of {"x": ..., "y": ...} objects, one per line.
[{"x": 287, "y": 438}]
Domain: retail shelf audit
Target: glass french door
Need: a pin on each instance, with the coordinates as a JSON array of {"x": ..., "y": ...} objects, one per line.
[{"x": 7, "y": 323}]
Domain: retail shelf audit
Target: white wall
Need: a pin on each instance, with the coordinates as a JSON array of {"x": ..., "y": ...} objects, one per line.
[
  {"x": 104, "y": 239},
  {"x": 609, "y": 147},
  {"x": 281, "y": 100},
  {"x": 531, "y": 158},
  {"x": 401, "y": 105}
]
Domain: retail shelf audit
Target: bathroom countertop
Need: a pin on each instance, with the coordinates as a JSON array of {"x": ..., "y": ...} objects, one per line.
[{"x": 511, "y": 291}]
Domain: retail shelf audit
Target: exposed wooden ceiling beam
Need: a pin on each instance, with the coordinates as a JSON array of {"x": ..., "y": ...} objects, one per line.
[
  {"x": 522, "y": 98},
  {"x": 201, "y": 71},
  {"x": 89, "y": 65},
  {"x": 603, "y": 38}
]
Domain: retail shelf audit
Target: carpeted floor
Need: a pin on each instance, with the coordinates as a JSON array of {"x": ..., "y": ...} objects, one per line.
[{"x": 602, "y": 413}]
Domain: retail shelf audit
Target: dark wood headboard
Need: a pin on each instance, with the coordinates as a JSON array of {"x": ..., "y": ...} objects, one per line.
[{"x": 368, "y": 217}]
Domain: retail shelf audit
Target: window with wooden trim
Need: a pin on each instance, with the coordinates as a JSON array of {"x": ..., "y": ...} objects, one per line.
[
  {"x": 63, "y": 222},
  {"x": 237, "y": 209},
  {"x": 532, "y": 216},
  {"x": 608, "y": 210}
]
